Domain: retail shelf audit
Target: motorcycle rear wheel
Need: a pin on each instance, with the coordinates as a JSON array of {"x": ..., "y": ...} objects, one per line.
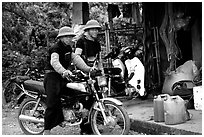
[
  {"x": 118, "y": 120},
  {"x": 26, "y": 107}
]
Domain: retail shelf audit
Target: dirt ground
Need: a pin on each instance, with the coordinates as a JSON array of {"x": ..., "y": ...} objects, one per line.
[{"x": 10, "y": 125}]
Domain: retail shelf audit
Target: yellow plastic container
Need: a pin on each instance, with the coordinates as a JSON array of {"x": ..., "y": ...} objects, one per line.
[
  {"x": 174, "y": 110},
  {"x": 159, "y": 107}
]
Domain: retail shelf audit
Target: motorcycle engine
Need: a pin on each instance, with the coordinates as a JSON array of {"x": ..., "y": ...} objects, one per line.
[
  {"x": 75, "y": 114},
  {"x": 69, "y": 115}
]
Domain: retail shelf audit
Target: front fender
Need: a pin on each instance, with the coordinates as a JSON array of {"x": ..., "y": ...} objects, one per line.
[{"x": 118, "y": 102}]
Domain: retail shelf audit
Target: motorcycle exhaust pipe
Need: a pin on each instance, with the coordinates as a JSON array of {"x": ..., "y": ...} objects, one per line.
[{"x": 30, "y": 118}]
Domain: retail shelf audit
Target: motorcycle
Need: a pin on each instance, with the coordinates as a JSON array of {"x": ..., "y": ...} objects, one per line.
[
  {"x": 106, "y": 115},
  {"x": 119, "y": 85}
]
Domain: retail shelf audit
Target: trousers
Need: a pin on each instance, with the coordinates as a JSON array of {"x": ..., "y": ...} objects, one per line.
[{"x": 53, "y": 84}]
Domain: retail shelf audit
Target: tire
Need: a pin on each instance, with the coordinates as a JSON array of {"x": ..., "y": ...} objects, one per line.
[
  {"x": 117, "y": 127},
  {"x": 28, "y": 127}
]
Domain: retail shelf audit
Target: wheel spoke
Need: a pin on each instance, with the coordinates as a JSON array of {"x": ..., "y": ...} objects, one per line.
[
  {"x": 116, "y": 121},
  {"x": 28, "y": 110}
]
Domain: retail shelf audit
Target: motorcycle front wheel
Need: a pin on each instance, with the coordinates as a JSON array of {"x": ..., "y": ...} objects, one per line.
[
  {"x": 26, "y": 110},
  {"x": 118, "y": 122}
]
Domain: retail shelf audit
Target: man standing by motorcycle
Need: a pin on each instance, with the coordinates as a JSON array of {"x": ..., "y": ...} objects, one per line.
[
  {"x": 56, "y": 71},
  {"x": 87, "y": 46}
]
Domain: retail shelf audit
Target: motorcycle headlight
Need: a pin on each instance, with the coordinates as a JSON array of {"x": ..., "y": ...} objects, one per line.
[{"x": 102, "y": 81}]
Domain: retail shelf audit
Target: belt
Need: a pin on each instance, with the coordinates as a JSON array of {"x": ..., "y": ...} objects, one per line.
[{"x": 49, "y": 71}]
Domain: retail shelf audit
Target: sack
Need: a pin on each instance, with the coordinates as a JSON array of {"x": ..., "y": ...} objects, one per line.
[{"x": 187, "y": 71}]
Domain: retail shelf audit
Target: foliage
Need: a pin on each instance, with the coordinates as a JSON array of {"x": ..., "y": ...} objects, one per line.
[
  {"x": 98, "y": 11},
  {"x": 28, "y": 29}
]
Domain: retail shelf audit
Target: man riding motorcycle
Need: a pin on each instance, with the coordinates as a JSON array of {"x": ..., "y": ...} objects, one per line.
[
  {"x": 56, "y": 70},
  {"x": 88, "y": 46}
]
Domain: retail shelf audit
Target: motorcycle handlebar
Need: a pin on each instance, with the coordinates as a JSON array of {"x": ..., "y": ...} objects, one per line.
[{"x": 80, "y": 75}]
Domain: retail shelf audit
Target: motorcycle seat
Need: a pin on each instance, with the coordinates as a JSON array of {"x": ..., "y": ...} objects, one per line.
[
  {"x": 33, "y": 85},
  {"x": 112, "y": 71}
]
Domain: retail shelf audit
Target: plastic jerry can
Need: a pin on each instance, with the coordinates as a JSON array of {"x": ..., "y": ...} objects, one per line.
[
  {"x": 174, "y": 110},
  {"x": 159, "y": 107}
]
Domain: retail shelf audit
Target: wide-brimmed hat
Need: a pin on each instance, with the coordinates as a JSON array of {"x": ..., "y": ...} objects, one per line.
[
  {"x": 92, "y": 24},
  {"x": 66, "y": 31}
]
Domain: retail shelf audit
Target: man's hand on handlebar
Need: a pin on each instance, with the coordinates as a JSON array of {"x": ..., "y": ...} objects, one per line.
[
  {"x": 66, "y": 73},
  {"x": 95, "y": 72}
]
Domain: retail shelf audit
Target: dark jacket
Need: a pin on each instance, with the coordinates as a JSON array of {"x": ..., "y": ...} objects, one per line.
[
  {"x": 61, "y": 49},
  {"x": 89, "y": 48}
]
